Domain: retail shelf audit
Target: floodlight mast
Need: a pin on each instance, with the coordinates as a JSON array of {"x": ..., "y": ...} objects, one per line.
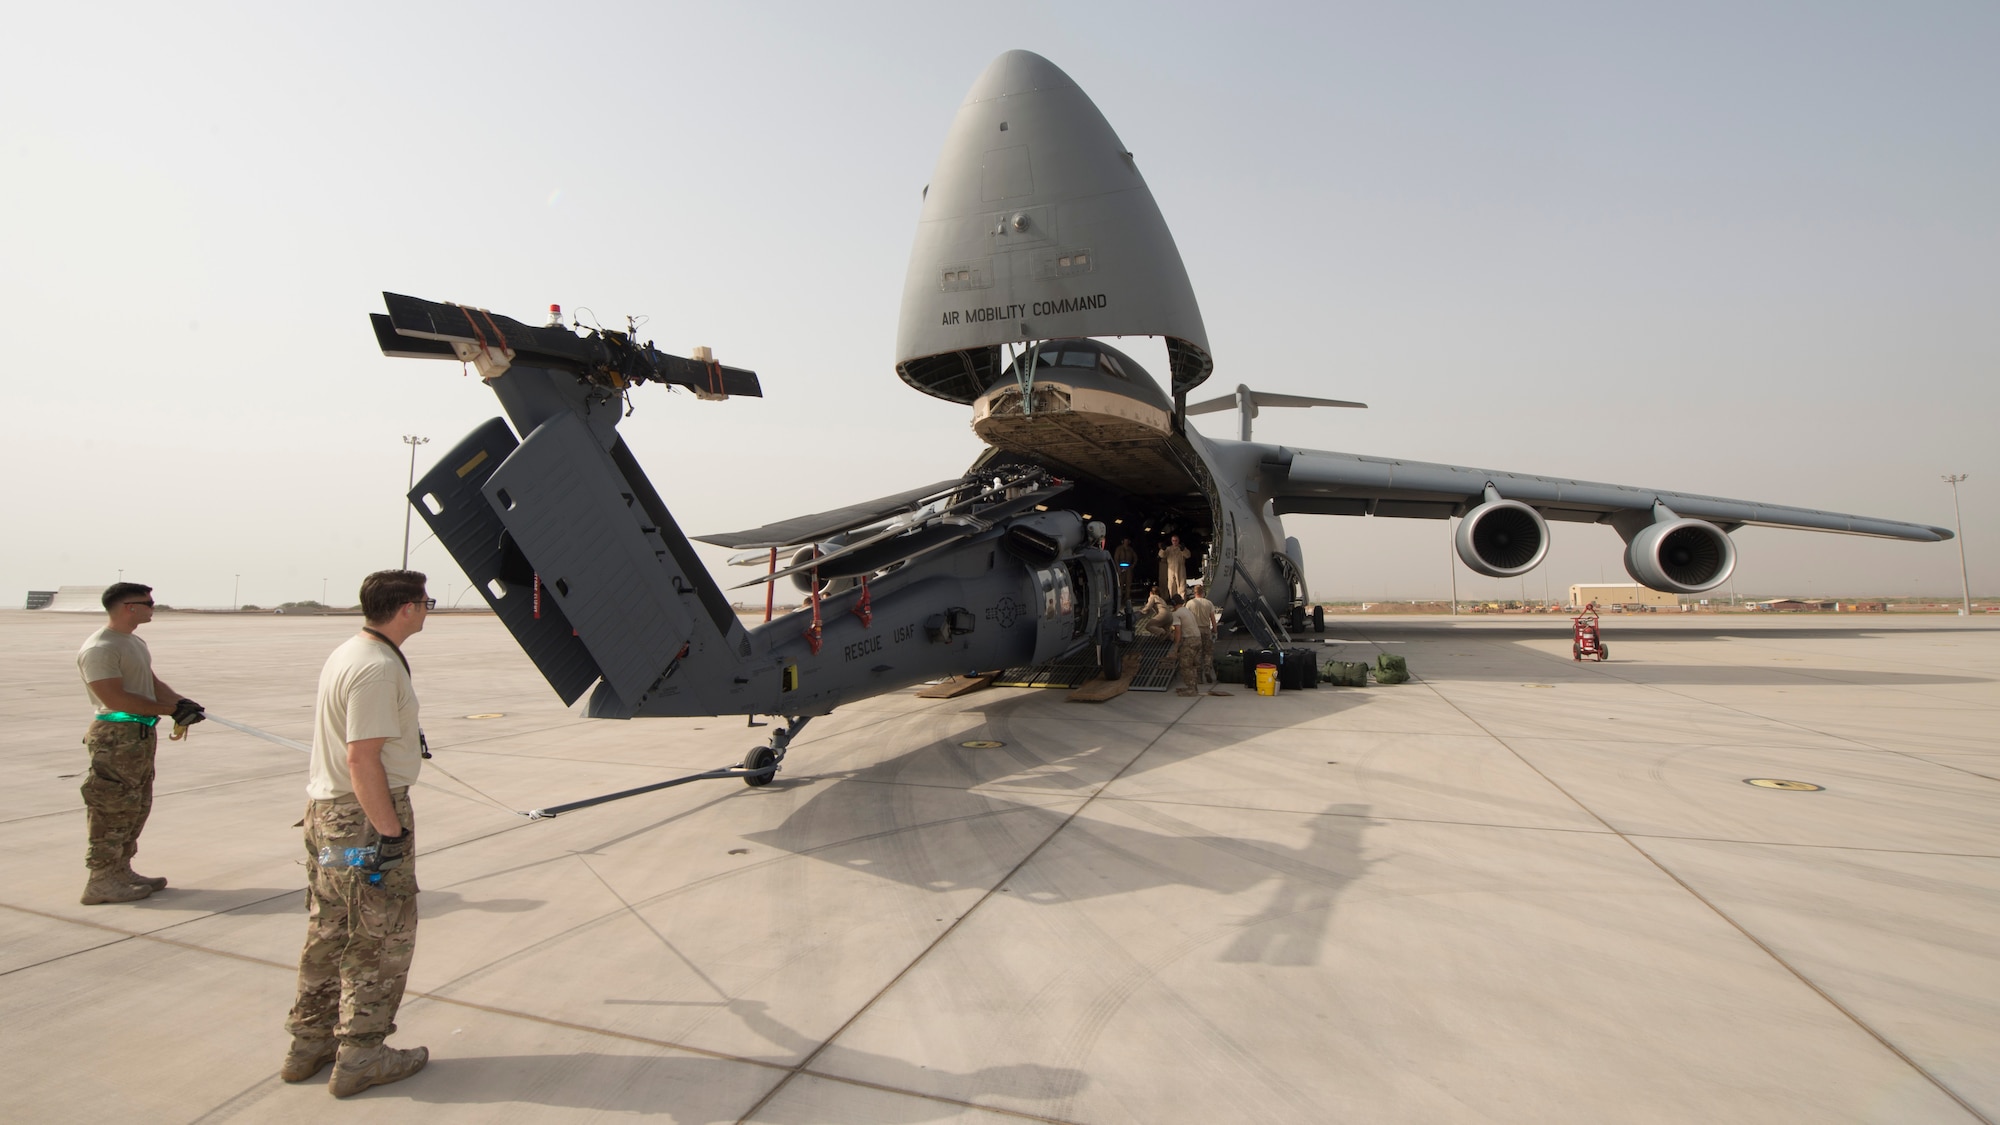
[
  {"x": 413, "y": 441},
  {"x": 1964, "y": 585}
]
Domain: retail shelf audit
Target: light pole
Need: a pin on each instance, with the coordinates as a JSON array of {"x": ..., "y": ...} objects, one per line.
[
  {"x": 413, "y": 441},
  {"x": 1964, "y": 586},
  {"x": 322, "y": 593},
  {"x": 234, "y": 591}
]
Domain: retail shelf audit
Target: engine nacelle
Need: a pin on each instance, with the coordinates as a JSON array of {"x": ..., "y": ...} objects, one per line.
[
  {"x": 1680, "y": 556},
  {"x": 804, "y": 578},
  {"x": 1502, "y": 538}
]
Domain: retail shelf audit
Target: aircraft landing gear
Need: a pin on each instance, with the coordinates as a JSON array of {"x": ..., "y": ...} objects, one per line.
[
  {"x": 1298, "y": 619},
  {"x": 762, "y": 763}
]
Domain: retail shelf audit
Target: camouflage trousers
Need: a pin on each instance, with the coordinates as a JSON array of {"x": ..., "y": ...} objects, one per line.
[
  {"x": 360, "y": 936},
  {"x": 1206, "y": 666},
  {"x": 1190, "y": 654},
  {"x": 117, "y": 789}
]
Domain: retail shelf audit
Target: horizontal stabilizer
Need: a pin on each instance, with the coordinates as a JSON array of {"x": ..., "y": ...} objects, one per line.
[
  {"x": 1266, "y": 398},
  {"x": 605, "y": 356},
  {"x": 399, "y": 346}
]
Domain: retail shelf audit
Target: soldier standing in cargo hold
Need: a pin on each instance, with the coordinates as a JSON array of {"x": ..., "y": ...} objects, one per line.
[
  {"x": 1125, "y": 560},
  {"x": 117, "y": 670},
  {"x": 1173, "y": 567},
  {"x": 361, "y": 892}
]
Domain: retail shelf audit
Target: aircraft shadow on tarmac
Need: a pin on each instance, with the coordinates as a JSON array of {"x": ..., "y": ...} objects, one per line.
[
  {"x": 649, "y": 1084},
  {"x": 1094, "y": 857},
  {"x": 1017, "y": 1081}
]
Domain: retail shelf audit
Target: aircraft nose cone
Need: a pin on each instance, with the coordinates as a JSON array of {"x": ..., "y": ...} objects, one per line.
[
  {"x": 1016, "y": 72},
  {"x": 1037, "y": 225}
]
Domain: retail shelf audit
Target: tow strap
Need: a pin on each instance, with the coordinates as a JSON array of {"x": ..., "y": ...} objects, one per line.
[
  {"x": 532, "y": 814},
  {"x": 267, "y": 736}
]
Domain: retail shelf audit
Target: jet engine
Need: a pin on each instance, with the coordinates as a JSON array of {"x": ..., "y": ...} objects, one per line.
[
  {"x": 1502, "y": 538},
  {"x": 1680, "y": 555}
]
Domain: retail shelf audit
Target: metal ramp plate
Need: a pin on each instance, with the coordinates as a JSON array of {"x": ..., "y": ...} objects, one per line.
[
  {"x": 1069, "y": 672},
  {"x": 1157, "y": 666}
]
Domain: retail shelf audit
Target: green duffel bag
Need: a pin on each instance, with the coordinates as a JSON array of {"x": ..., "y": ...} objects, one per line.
[
  {"x": 1229, "y": 667},
  {"x": 1344, "y": 673},
  {"x": 1391, "y": 669}
]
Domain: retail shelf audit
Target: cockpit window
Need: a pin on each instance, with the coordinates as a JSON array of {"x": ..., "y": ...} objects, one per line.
[{"x": 1074, "y": 358}]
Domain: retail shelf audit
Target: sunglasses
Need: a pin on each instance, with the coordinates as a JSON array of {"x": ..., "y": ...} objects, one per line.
[
  {"x": 136, "y": 603},
  {"x": 427, "y": 603}
]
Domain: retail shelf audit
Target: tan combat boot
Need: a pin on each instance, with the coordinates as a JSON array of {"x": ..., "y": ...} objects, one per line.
[
  {"x": 124, "y": 869},
  {"x": 306, "y": 1057},
  {"x": 358, "y": 1068},
  {"x": 107, "y": 885}
]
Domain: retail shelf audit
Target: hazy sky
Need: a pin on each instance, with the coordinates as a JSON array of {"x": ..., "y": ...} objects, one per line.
[{"x": 1749, "y": 250}]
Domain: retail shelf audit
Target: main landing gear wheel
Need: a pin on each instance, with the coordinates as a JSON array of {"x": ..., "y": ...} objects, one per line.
[
  {"x": 760, "y": 758},
  {"x": 1319, "y": 619}
]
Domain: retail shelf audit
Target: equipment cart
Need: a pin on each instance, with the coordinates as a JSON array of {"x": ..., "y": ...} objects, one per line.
[{"x": 1589, "y": 642}]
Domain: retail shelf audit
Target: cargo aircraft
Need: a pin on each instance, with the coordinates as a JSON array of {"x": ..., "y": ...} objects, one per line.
[{"x": 1038, "y": 241}]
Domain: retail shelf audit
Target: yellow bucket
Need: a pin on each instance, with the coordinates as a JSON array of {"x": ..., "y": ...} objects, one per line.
[{"x": 1267, "y": 679}]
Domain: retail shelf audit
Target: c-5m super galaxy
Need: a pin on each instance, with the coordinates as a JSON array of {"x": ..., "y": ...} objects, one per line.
[{"x": 1038, "y": 239}]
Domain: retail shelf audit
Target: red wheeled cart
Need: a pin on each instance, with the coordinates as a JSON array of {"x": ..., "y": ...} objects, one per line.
[{"x": 1588, "y": 642}]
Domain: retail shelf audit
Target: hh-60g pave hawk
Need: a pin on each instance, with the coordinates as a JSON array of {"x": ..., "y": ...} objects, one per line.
[{"x": 1038, "y": 238}]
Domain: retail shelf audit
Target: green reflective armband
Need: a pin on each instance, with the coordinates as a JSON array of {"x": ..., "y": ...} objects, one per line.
[{"x": 123, "y": 717}]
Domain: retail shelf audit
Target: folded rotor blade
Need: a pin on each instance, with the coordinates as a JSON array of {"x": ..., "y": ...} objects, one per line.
[
  {"x": 809, "y": 529},
  {"x": 892, "y": 545}
]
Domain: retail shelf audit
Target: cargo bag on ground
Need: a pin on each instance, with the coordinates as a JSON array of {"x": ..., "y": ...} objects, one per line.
[
  {"x": 1345, "y": 673},
  {"x": 1391, "y": 669},
  {"x": 1229, "y": 667}
]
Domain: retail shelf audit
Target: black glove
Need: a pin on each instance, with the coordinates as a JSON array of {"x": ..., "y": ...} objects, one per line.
[
  {"x": 392, "y": 851},
  {"x": 187, "y": 713}
]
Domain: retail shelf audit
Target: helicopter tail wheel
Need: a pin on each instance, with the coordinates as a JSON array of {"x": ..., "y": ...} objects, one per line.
[{"x": 760, "y": 758}]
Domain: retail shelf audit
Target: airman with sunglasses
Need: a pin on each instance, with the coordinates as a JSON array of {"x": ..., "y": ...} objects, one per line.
[{"x": 129, "y": 701}]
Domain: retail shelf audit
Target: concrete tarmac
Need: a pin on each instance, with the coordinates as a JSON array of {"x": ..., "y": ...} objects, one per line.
[{"x": 1516, "y": 889}]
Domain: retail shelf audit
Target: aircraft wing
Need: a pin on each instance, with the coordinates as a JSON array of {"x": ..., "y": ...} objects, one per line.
[{"x": 1349, "y": 484}]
